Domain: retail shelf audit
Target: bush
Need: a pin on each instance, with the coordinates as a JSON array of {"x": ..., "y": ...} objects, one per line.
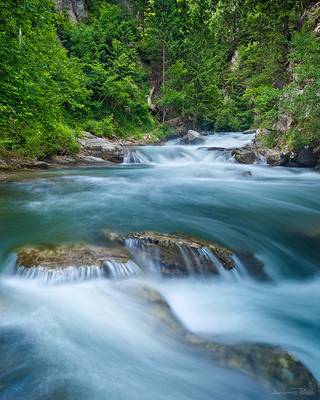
[
  {"x": 104, "y": 127},
  {"x": 58, "y": 140}
]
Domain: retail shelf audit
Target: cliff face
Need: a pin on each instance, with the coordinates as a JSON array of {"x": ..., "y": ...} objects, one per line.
[{"x": 76, "y": 9}]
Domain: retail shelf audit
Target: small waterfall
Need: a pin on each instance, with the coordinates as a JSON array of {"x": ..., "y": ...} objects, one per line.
[
  {"x": 187, "y": 254},
  {"x": 123, "y": 270},
  {"x": 111, "y": 269},
  {"x": 146, "y": 256},
  {"x": 135, "y": 157},
  {"x": 181, "y": 260},
  {"x": 60, "y": 275},
  {"x": 240, "y": 271},
  {"x": 229, "y": 275},
  {"x": 10, "y": 263}
]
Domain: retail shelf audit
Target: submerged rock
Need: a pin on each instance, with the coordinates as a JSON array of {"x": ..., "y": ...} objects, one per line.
[
  {"x": 253, "y": 266},
  {"x": 180, "y": 256},
  {"x": 192, "y": 137},
  {"x": 246, "y": 173},
  {"x": 271, "y": 366}
]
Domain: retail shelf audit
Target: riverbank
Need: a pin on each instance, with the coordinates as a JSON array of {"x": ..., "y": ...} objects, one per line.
[
  {"x": 93, "y": 151},
  {"x": 102, "y": 152}
]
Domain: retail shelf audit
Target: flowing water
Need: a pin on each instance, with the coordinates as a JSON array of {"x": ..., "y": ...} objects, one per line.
[{"x": 77, "y": 335}]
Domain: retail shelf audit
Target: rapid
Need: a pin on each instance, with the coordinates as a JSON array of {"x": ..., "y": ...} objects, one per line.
[{"x": 84, "y": 337}]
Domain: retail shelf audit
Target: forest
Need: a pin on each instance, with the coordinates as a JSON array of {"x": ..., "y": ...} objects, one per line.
[
  {"x": 130, "y": 67},
  {"x": 159, "y": 199}
]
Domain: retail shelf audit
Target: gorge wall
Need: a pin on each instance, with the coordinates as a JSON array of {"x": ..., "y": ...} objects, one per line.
[{"x": 76, "y": 9}]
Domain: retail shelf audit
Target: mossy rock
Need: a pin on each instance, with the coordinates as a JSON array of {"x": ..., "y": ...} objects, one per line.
[{"x": 76, "y": 255}]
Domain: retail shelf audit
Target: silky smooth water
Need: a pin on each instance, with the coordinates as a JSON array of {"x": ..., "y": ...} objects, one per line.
[{"x": 90, "y": 340}]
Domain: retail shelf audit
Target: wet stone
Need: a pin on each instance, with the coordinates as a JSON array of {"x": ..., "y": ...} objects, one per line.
[{"x": 178, "y": 255}]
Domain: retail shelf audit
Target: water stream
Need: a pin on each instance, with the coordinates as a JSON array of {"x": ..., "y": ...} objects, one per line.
[{"x": 84, "y": 337}]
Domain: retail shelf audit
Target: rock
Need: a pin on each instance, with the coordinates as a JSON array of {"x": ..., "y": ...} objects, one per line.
[
  {"x": 158, "y": 308},
  {"x": 274, "y": 157},
  {"x": 284, "y": 123},
  {"x": 192, "y": 137},
  {"x": 247, "y": 173},
  {"x": 100, "y": 148},
  {"x": 76, "y": 9},
  {"x": 4, "y": 166},
  {"x": 249, "y": 131},
  {"x": 272, "y": 367},
  {"x": 306, "y": 158},
  {"x": 63, "y": 160},
  {"x": 212, "y": 148},
  {"x": 41, "y": 165},
  {"x": 35, "y": 165},
  {"x": 244, "y": 155},
  {"x": 91, "y": 160},
  {"x": 178, "y": 255},
  {"x": 32, "y": 164},
  {"x": 76, "y": 255},
  {"x": 316, "y": 152}
]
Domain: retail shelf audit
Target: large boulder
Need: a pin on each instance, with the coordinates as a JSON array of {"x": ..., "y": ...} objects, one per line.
[
  {"x": 100, "y": 148},
  {"x": 192, "y": 137},
  {"x": 177, "y": 255}
]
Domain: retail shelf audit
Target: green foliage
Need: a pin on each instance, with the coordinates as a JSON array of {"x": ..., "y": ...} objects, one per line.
[
  {"x": 223, "y": 65},
  {"x": 104, "y": 127},
  {"x": 59, "y": 140},
  {"x": 107, "y": 45},
  {"x": 163, "y": 132},
  {"x": 301, "y": 97},
  {"x": 41, "y": 88},
  {"x": 265, "y": 100}
]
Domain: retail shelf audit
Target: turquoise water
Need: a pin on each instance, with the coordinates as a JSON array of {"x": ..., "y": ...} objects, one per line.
[{"x": 90, "y": 341}]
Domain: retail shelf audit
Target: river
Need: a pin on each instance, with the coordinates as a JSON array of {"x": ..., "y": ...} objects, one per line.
[{"x": 89, "y": 340}]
